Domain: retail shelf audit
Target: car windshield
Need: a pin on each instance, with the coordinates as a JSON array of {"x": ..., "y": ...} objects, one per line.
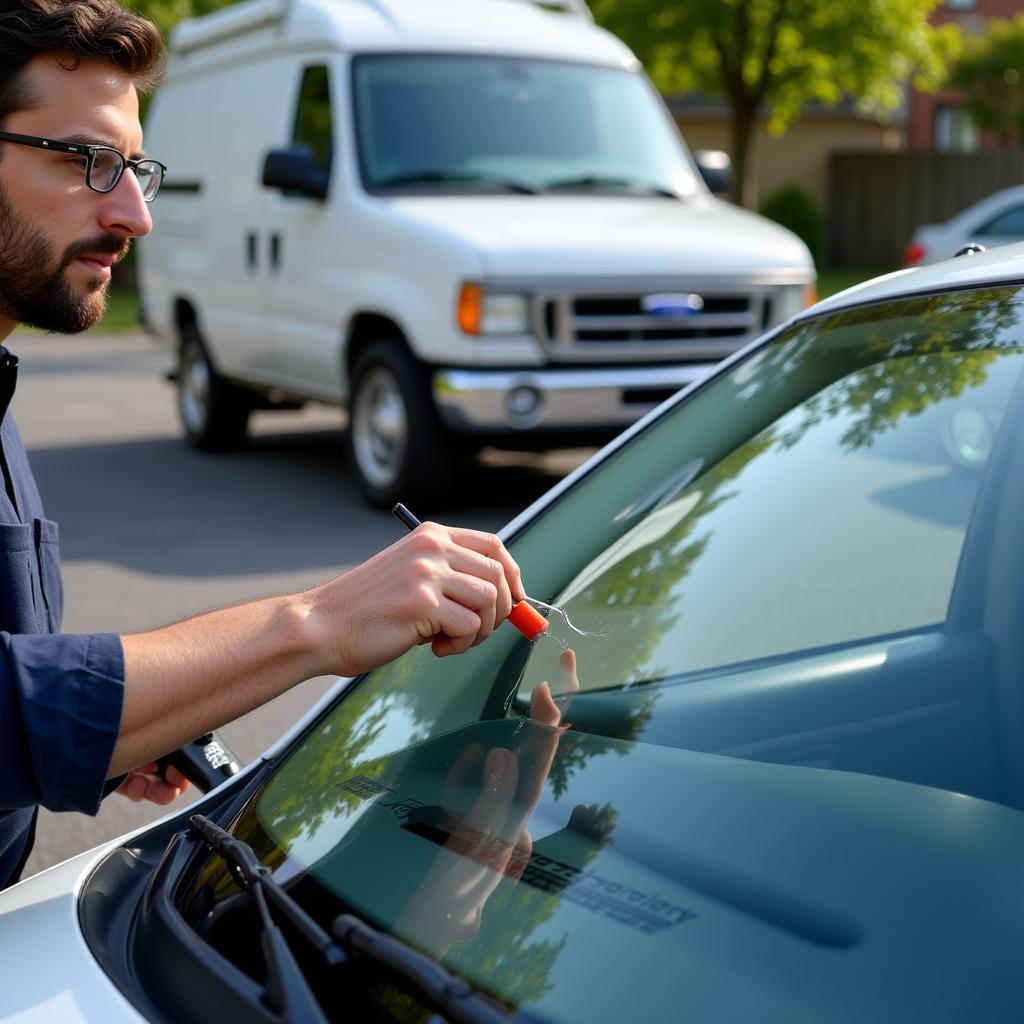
[
  {"x": 793, "y": 737},
  {"x": 444, "y": 123}
]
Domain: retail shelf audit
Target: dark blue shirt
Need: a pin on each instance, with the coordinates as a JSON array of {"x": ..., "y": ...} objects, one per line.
[{"x": 60, "y": 696}]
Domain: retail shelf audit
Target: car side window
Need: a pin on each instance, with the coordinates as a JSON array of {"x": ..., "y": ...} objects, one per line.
[
  {"x": 313, "y": 120},
  {"x": 1009, "y": 223}
]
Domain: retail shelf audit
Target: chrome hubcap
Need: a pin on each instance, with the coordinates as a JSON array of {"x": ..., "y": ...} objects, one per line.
[
  {"x": 194, "y": 388},
  {"x": 380, "y": 428}
]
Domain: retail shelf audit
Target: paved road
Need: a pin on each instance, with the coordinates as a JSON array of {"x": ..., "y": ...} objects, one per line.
[{"x": 152, "y": 531}]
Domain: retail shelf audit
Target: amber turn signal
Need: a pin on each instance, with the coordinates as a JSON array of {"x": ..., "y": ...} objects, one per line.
[{"x": 470, "y": 308}]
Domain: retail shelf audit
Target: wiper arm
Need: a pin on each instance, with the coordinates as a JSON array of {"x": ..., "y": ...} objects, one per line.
[
  {"x": 428, "y": 177},
  {"x": 619, "y": 184},
  {"x": 456, "y": 1000},
  {"x": 287, "y": 987}
]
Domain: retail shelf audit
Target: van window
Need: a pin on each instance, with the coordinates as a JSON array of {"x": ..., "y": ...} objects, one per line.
[
  {"x": 313, "y": 125},
  {"x": 461, "y": 122}
]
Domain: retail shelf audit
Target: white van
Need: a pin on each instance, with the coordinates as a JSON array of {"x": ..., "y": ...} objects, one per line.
[{"x": 469, "y": 221}]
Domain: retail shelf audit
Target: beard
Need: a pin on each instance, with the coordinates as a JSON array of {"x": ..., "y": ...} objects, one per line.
[{"x": 32, "y": 293}]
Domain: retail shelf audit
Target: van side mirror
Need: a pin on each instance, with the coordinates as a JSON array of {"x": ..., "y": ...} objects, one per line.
[
  {"x": 294, "y": 170},
  {"x": 716, "y": 169}
]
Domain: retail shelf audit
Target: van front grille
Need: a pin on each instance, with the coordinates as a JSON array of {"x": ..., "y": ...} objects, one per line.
[{"x": 617, "y": 327}]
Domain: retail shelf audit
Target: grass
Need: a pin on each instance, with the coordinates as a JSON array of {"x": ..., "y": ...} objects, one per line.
[{"x": 122, "y": 313}]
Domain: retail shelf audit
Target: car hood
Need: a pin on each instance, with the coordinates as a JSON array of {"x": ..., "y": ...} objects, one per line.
[
  {"x": 47, "y": 972},
  {"x": 667, "y": 883},
  {"x": 617, "y": 236}
]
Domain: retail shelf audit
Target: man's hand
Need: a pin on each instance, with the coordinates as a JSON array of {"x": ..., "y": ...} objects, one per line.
[
  {"x": 444, "y": 586},
  {"x": 146, "y": 784}
]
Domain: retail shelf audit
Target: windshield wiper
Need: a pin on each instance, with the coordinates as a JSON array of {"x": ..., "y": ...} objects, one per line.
[
  {"x": 430, "y": 177},
  {"x": 616, "y": 184},
  {"x": 349, "y": 938}
]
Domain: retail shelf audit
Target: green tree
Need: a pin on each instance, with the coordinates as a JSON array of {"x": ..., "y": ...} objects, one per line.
[
  {"x": 991, "y": 73},
  {"x": 778, "y": 55},
  {"x": 167, "y": 13}
]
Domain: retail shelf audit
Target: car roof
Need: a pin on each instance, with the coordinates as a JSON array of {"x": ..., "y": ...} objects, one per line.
[
  {"x": 1004, "y": 264},
  {"x": 989, "y": 204},
  {"x": 499, "y": 27}
]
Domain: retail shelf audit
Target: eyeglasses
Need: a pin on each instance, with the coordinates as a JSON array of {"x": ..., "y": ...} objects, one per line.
[{"x": 104, "y": 165}]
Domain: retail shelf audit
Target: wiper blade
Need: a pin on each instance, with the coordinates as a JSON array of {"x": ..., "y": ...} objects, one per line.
[
  {"x": 456, "y": 1000},
  {"x": 616, "y": 184},
  {"x": 440, "y": 176},
  {"x": 287, "y": 988}
]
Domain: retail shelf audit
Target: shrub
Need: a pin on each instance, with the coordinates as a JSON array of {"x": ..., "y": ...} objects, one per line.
[{"x": 793, "y": 208}]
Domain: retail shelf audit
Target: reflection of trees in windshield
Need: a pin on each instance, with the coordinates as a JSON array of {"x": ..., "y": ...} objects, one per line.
[
  {"x": 887, "y": 378},
  {"x": 873, "y": 367},
  {"x": 305, "y": 793},
  {"x": 642, "y": 590}
]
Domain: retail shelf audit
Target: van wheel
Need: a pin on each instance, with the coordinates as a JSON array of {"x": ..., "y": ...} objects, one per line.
[
  {"x": 213, "y": 411},
  {"x": 396, "y": 443}
]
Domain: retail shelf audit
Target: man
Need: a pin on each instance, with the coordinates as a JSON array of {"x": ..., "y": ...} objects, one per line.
[{"x": 76, "y": 711}]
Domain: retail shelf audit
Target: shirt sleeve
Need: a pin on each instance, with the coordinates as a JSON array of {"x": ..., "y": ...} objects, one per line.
[{"x": 60, "y": 711}]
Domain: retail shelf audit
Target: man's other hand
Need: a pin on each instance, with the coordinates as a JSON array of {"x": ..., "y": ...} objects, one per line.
[{"x": 145, "y": 783}]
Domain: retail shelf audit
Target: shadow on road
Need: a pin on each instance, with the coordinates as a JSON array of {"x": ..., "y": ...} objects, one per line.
[{"x": 287, "y": 502}]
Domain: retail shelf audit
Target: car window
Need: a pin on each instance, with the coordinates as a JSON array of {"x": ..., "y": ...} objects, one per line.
[
  {"x": 313, "y": 122},
  {"x": 1009, "y": 224}
]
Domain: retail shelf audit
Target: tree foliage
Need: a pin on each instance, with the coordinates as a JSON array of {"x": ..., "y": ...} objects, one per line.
[
  {"x": 167, "y": 13},
  {"x": 777, "y": 56},
  {"x": 991, "y": 73}
]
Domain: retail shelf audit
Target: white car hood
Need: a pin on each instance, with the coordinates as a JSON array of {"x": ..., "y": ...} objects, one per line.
[
  {"x": 47, "y": 973},
  {"x": 523, "y": 236}
]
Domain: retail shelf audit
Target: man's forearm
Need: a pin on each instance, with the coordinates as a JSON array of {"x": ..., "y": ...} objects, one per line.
[
  {"x": 188, "y": 678},
  {"x": 449, "y": 587}
]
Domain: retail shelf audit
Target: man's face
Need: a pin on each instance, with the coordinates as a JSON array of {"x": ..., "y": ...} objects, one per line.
[{"x": 58, "y": 238}]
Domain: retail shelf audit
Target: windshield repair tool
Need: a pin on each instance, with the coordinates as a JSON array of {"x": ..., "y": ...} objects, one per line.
[{"x": 523, "y": 616}]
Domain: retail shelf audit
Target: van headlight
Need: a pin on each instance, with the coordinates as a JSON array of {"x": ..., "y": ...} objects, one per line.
[
  {"x": 483, "y": 313},
  {"x": 791, "y": 299}
]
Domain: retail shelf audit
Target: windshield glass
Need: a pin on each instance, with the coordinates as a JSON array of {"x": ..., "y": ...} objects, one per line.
[
  {"x": 794, "y": 637},
  {"x": 454, "y": 123}
]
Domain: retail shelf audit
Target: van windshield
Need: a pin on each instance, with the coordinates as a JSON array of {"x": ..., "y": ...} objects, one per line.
[{"x": 445, "y": 123}]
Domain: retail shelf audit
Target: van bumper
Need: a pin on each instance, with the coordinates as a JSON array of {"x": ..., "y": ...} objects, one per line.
[{"x": 479, "y": 401}]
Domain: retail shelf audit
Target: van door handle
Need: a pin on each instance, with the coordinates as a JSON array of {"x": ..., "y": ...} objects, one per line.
[
  {"x": 251, "y": 249},
  {"x": 275, "y": 251}
]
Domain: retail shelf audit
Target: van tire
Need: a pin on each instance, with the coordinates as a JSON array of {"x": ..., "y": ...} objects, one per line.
[
  {"x": 396, "y": 445},
  {"x": 213, "y": 412}
]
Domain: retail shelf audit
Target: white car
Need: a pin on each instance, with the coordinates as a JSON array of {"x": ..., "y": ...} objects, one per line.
[
  {"x": 781, "y": 777},
  {"x": 997, "y": 219}
]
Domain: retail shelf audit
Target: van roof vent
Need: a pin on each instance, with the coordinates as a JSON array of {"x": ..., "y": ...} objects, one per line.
[{"x": 195, "y": 33}]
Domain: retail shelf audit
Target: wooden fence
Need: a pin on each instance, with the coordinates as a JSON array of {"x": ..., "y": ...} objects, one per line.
[{"x": 876, "y": 200}]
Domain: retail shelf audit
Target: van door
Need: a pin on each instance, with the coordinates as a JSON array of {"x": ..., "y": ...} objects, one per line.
[
  {"x": 217, "y": 135},
  {"x": 306, "y": 248}
]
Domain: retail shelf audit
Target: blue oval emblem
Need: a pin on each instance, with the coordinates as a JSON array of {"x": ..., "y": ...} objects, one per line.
[{"x": 675, "y": 305}]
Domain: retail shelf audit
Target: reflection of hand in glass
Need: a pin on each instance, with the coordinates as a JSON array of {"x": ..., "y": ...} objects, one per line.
[{"x": 491, "y": 839}]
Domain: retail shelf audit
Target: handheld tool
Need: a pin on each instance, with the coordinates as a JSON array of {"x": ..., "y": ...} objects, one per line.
[{"x": 523, "y": 616}]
